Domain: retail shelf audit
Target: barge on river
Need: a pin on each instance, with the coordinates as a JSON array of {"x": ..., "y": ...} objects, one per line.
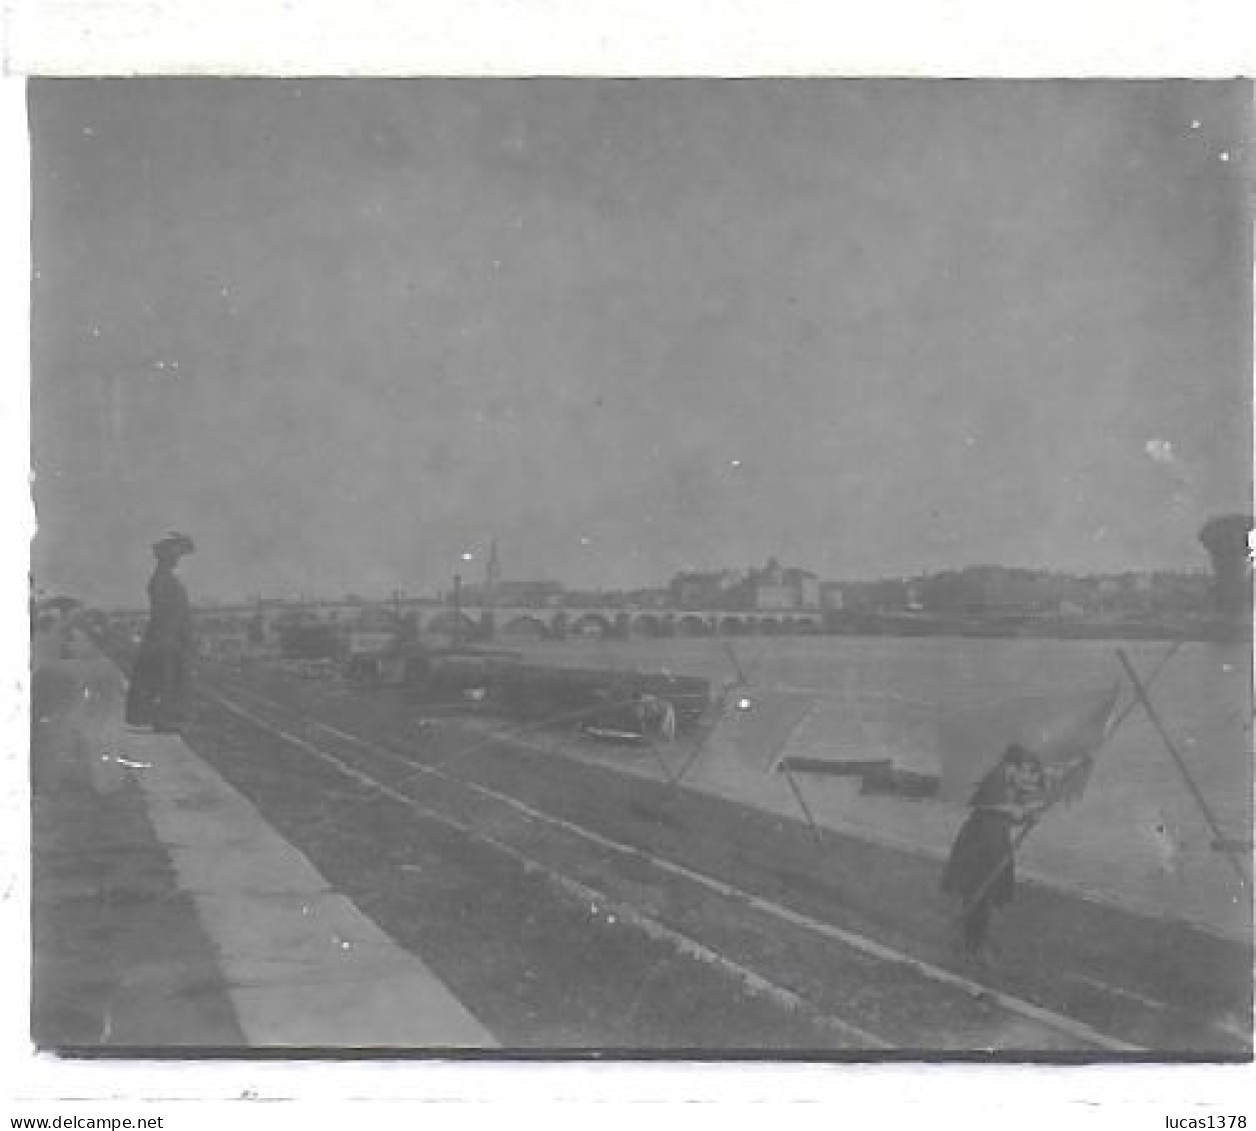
[{"x": 606, "y": 699}]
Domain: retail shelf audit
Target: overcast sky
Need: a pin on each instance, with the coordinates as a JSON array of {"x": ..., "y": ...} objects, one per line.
[{"x": 344, "y": 332}]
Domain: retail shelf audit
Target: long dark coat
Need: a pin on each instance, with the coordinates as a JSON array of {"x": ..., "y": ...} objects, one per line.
[
  {"x": 159, "y": 680},
  {"x": 984, "y": 846}
]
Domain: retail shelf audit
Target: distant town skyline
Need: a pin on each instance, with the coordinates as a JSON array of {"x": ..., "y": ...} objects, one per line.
[
  {"x": 344, "y": 332},
  {"x": 472, "y": 585}
]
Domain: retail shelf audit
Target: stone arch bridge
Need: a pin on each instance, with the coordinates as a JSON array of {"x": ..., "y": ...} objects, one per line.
[{"x": 503, "y": 623}]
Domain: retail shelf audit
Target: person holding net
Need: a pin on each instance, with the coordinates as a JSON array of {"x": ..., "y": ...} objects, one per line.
[{"x": 981, "y": 868}]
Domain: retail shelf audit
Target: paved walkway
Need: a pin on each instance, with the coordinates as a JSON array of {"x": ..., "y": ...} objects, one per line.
[{"x": 298, "y": 964}]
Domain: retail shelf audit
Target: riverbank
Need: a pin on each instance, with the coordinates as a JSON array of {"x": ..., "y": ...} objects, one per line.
[
  {"x": 1159, "y": 983},
  {"x": 1138, "y": 838},
  {"x": 572, "y": 898}
]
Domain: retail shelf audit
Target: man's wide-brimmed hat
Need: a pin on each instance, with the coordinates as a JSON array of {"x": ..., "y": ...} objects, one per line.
[{"x": 176, "y": 543}]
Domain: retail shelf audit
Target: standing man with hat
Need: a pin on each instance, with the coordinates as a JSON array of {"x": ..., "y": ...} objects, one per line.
[{"x": 159, "y": 681}]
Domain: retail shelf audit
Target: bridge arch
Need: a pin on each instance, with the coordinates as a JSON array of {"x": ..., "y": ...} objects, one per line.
[
  {"x": 649, "y": 624},
  {"x": 526, "y": 627},
  {"x": 768, "y": 626},
  {"x": 692, "y": 625},
  {"x": 591, "y": 624},
  {"x": 451, "y": 623},
  {"x": 735, "y": 626},
  {"x": 369, "y": 618}
]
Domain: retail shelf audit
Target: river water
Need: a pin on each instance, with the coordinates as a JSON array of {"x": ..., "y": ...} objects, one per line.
[{"x": 1138, "y": 836}]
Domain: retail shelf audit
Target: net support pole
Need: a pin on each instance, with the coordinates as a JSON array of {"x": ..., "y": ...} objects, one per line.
[
  {"x": 802, "y": 804},
  {"x": 658, "y": 757},
  {"x": 742, "y": 677},
  {"x": 1151, "y": 678},
  {"x": 699, "y": 747},
  {"x": 1180, "y": 762}
]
